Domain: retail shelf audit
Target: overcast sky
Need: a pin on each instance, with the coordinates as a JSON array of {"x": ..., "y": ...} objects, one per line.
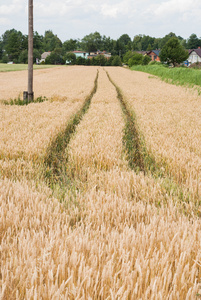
[{"x": 77, "y": 18}]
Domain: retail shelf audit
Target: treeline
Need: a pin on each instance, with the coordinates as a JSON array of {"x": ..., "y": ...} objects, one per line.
[{"x": 14, "y": 46}]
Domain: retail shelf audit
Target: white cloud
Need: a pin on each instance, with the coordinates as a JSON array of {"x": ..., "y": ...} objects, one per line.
[
  {"x": 109, "y": 17},
  {"x": 177, "y": 7},
  {"x": 8, "y": 9},
  {"x": 4, "y": 21},
  {"x": 115, "y": 10}
]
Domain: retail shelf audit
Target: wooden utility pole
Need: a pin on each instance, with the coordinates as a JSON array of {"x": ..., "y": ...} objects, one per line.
[{"x": 30, "y": 53}]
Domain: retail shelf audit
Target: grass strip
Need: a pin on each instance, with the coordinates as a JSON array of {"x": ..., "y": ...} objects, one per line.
[
  {"x": 136, "y": 153},
  {"x": 20, "y": 102},
  {"x": 178, "y": 76},
  {"x": 23, "y": 67},
  {"x": 56, "y": 171}
]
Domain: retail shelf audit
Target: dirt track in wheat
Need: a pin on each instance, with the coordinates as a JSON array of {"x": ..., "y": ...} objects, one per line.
[{"x": 110, "y": 233}]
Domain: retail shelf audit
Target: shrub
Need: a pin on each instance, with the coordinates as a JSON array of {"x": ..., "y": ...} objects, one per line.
[
  {"x": 116, "y": 61},
  {"x": 151, "y": 63},
  {"x": 146, "y": 59},
  {"x": 135, "y": 60},
  {"x": 127, "y": 56}
]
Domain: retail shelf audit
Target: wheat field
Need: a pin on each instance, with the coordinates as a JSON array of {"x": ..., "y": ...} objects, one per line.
[{"x": 106, "y": 232}]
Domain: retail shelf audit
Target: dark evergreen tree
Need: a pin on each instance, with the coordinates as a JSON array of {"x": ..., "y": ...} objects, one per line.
[
  {"x": 51, "y": 41},
  {"x": 193, "y": 42},
  {"x": 173, "y": 52}
]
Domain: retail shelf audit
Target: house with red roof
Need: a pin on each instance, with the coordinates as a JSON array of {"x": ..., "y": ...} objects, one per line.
[
  {"x": 154, "y": 54},
  {"x": 79, "y": 53}
]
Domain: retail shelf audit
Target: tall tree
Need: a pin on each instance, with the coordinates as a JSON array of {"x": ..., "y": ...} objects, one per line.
[
  {"x": 12, "y": 43},
  {"x": 1, "y": 49},
  {"x": 37, "y": 41},
  {"x": 137, "y": 42},
  {"x": 124, "y": 44},
  {"x": 55, "y": 58},
  {"x": 70, "y": 45},
  {"x": 193, "y": 42},
  {"x": 92, "y": 42},
  {"x": 107, "y": 44},
  {"x": 125, "y": 39},
  {"x": 51, "y": 41},
  {"x": 165, "y": 39},
  {"x": 173, "y": 52}
]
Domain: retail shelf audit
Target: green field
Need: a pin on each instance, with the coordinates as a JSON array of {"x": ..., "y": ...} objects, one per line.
[
  {"x": 179, "y": 76},
  {"x": 21, "y": 67}
]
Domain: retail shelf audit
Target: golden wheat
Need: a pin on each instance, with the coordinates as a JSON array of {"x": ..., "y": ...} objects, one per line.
[
  {"x": 170, "y": 119},
  {"x": 26, "y": 130},
  {"x": 66, "y": 81},
  {"x": 116, "y": 235}
]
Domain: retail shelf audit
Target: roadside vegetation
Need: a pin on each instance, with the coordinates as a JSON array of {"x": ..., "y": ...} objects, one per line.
[
  {"x": 180, "y": 76},
  {"x": 19, "y": 101}
]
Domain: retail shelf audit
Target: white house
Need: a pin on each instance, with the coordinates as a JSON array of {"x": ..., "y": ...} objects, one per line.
[
  {"x": 80, "y": 54},
  {"x": 44, "y": 56},
  {"x": 194, "y": 56}
]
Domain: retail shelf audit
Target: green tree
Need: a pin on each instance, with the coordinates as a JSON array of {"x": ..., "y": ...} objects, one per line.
[
  {"x": 5, "y": 58},
  {"x": 156, "y": 44},
  {"x": 80, "y": 61},
  {"x": 92, "y": 42},
  {"x": 193, "y": 42},
  {"x": 38, "y": 41},
  {"x": 173, "y": 52},
  {"x": 12, "y": 44},
  {"x": 146, "y": 59},
  {"x": 51, "y": 41},
  {"x": 70, "y": 45},
  {"x": 165, "y": 39},
  {"x": 137, "y": 42},
  {"x": 36, "y": 54},
  {"x": 116, "y": 61},
  {"x": 107, "y": 44},
  {"x": 70, "y": 58},
  {"x": 147, "y": 42},
  {"x": 23, "y": 58},
  {"x": 1, "y": 49},
  {"x": 55, "y": 58},
  {"x": 149, "y": 48},
  {"x": 136, "y": 59},
  {"x": 100, "y": 60},
  {"x": 125, "y": 39},
  {"x": 122, "y": 45},
  {"x": 25, "y": 42},
  {"x": 127, "y": 56}
]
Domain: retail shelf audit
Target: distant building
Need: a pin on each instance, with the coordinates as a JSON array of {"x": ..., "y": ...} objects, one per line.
[
  {"x": 44, "y": 56},
  {"x": 90, "y": 55},
  {"x": 106, "y": 54},
  {"x": 154, "y": 54},
  {"x": 82, "y": 54},
  {"x": 194, "y": 56},
  {"x": 142, "y": 52}
]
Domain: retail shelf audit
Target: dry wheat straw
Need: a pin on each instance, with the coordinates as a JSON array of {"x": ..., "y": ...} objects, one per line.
[
  {"x": 170, "y": 119},
  {"x": 111, "y": 241},
  {"x": 26, "y": 131},
  {"x": 71, "y": 81}
]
